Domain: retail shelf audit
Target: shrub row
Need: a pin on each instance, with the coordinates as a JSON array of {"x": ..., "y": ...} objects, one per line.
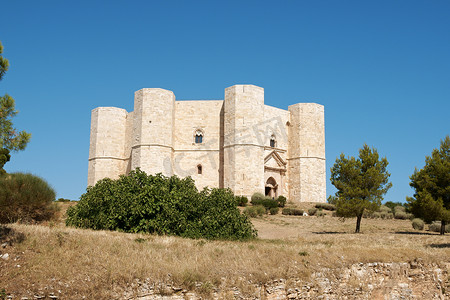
[
  {"x": 312, "y": 211},
  {"x": 292, "y": 211},
  {"x": 403, "y": 215},
  {"x": 326, "y": 206},
  {"x": 268, "y": 202},
  {"x": 163, "y": 205}
]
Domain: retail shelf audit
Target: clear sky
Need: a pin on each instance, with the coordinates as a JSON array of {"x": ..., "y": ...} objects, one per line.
[{"x": 380, "y": 68}]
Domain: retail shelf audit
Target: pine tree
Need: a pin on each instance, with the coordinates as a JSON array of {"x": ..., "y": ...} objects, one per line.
[
  {"x": 360, "y": 183},
  {"x": 431, "y": 200},
  {"x": 10, "y": 139}
]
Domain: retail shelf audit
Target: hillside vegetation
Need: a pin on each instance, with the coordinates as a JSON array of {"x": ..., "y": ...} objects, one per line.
[{"x": 71, "y": 263}]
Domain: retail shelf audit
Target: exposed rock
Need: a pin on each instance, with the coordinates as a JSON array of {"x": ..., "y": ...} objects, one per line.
[{"x": 412, "y": 280}]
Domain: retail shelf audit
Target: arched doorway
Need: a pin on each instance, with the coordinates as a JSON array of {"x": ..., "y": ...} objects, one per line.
[{"x": 271, "y": 187}]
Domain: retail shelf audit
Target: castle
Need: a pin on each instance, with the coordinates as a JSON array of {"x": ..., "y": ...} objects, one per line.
[{"x": 237, "y": 143}]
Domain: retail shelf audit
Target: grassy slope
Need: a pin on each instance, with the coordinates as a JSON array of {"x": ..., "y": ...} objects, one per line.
[{"x": 99, "y": 264}]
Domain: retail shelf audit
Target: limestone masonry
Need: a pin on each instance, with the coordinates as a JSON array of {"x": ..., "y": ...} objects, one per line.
[{"x": 237, "y": 143}]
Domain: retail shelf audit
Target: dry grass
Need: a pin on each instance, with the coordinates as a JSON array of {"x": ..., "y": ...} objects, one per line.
[{"x": 101, "y": 265}]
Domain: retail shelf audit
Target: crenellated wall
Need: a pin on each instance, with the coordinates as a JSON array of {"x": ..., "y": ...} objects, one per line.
[{"x": 235, "y": 152}]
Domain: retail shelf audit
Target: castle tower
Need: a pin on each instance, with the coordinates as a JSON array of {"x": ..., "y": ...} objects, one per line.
[
  {"x": 243, "y": 145},
  {"x": 107, "y": 157},
  {"x": 306, "y": 154},
  {"x": 152, "y": 140}
]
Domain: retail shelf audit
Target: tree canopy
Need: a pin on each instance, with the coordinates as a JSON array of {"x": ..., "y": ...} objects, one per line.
[
  {"x": 431, "y": 200},
  {"x": 360, "y": 183},
  {"x": 10, "y": 138}
]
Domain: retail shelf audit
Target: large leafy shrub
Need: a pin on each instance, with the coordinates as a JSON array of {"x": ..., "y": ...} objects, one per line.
[
  {"x": 164, "y": 205},
  {"x": 25, "y": 198}
]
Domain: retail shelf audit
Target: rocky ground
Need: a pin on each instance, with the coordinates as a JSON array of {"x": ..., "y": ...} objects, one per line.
[{"x": 412, "y": 280}]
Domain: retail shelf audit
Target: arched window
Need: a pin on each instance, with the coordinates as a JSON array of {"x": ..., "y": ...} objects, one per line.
[
  {"x": 198, "y": 137},
  {"x": 273, "y": 141},
  {"x": 199, "y": 169}
]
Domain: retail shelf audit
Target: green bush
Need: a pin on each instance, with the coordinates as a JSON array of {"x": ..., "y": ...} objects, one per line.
[
  {"x": 326, "y": 206},
  {"x": 386, "y": 215},
  {"x": 292, "y": 211},
  {"x": 281, "y": 201},
  {"x": 392, "y": 205},
  {"x": 436, "y": 227},
  {"x": 312, "y": 211},
  {"x": 265, "y": 201},
  {"x": 255, "y": 211},
  {"x": 399, "y": 208},
  {"x": 376, "y": 215},
  {"x": 297, "y": 212},
  {"x": 241, "y": 200},
  {"x": 25, "y": 198},
  {"x": 163, "y": 205},
  {"x": 257, "y": 198},
  {"x": 418, "y": 224},
  {"x": 384, "y": 209},
  {"x": 320, "y": 213},
  {"x": 274, "y": 210},
  {"x": 269, "y": 203},
  {"x": 400, "y": 215},
  {"x": 62, "y": 200}
]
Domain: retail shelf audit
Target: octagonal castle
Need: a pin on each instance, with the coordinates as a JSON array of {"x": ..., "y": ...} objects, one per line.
[{"x": 238, "y": 143}]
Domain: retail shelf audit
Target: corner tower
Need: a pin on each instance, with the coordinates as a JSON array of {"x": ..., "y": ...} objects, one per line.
[
  {"x": 243, "y": 145},
  {"x": 152, "y": 132},
  {"x": 107, "y": 157},
  {"x": 306, "y": 153}
]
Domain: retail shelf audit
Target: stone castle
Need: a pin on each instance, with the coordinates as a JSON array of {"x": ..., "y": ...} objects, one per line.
[{"x": 238, "y": 143}]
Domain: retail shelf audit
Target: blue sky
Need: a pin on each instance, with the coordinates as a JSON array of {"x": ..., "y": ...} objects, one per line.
[{"x": 380, "y": 68}]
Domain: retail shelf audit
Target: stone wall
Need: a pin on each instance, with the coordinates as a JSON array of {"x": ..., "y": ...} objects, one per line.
[
  {"x": 191, "y": 116},
  {"x": 377, "y": 280}
]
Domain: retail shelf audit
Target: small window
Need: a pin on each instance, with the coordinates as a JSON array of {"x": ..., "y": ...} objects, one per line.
[
  {"x": 198, "y": 137},
  {"x": 273, "y": 142},
  {"x": 199, "y": 169}
]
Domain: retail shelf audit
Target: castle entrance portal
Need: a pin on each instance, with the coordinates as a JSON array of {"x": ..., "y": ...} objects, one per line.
[{"x": 271, "y": 187}]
